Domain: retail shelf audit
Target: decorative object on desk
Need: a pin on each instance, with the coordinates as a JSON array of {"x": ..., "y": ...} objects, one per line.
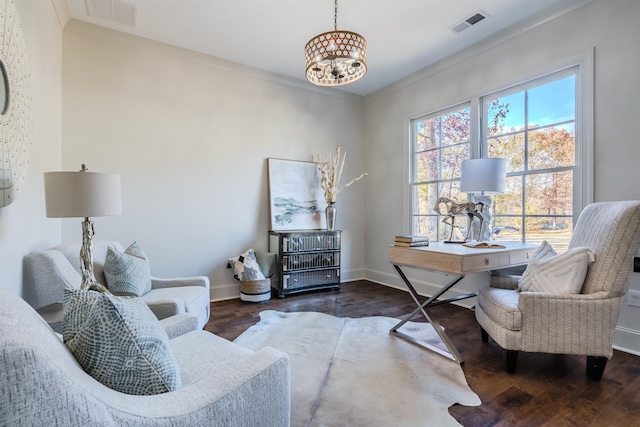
[
  {"x": 295, "y": 193},
  {"x": 484, "y": 176},
  {"x": 83, "y": 194},
  {"x": 450, "y": 209},
  {"x": 15, "y": 106},
  {"x": 483, "y": 245},
  {"x": 335, "y": 58},
  {"x": 333, "y": 385},
  {"x": 411, "y": 240},
  {"x": 331, "y": 172}
]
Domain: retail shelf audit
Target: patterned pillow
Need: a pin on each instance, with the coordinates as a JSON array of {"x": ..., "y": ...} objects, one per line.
[
  {"x": 128, "y": 273},
  {"x": 119, "y": 342},
  {"x": 245, "y": 266},
  {"x": 556, "y": 274}
]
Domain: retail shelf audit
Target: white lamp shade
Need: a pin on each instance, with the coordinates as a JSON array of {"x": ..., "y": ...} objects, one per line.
[
  {"x": 486, "y": 175},
  {"x": 82, "y": 194}
]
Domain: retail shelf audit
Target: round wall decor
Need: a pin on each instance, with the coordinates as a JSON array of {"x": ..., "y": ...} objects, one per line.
[{"x": 15, "y": 105}]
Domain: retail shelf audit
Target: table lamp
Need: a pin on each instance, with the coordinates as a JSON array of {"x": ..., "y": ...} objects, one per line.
[
  {"x": 83, "y": 194},
  {"x": 484, "y": 176}
]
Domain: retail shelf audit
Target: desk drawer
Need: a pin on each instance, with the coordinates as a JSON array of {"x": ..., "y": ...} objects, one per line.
[
  {"x": 485, "y": 262},
  {"x": 521, "y": 257}
]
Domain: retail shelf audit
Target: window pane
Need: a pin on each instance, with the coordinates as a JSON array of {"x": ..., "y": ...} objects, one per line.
[
  {"x": 507, "y": 228},
  {"x": 456, "y": 127},
  {"x": 505, "y": 114},
  {"x": 550, "y": 193},
  {"x": 427, "y": 166},
  {"x": 426, "y": 226},
  {"x": 556, "y": 230},
  {"x": 424, "y": 197},
  {"x": 552, "y": 103},
  {"x": 509, "y": 202},
  {"x": 510, "y": 147},
  {"x": 427, "y": 134},
  {"x": 452, "y": 158},
  {"x": 552, "y": 147}
]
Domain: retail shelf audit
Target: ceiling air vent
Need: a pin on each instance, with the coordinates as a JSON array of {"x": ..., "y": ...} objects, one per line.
[
  {"x": 115, "y": 11},
  {"x": 472, "y": 20}
]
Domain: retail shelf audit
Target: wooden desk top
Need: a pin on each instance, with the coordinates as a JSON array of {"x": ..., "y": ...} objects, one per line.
[{"x": 458, "y": 259}]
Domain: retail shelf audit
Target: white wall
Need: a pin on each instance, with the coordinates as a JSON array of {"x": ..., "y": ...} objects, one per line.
[
  {"x": 23, "y": 225},
  {"x": 190, "y": 136},
  {"x": 607, "y": 27}
]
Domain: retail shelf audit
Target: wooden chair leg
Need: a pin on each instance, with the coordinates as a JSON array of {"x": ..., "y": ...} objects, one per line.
[
  {"x": 595, "y": 367},
  {"x": 485, "y": 335},
  {"x": 512, "y": 358}
]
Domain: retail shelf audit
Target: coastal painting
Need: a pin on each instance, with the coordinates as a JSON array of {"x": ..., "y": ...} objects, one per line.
[{"x": 296, "y": 197}]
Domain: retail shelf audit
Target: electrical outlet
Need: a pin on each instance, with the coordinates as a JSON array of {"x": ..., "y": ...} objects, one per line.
[{"x": 634, "y": 298}]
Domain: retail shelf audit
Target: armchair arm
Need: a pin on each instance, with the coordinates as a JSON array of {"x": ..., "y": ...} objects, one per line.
[
  {"x": 568, "y": 324},
  {"x": 504, "y": 282},
  {"x": 157, "y": 283}
]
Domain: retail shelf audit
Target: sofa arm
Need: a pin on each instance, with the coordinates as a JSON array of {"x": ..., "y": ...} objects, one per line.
[
  {"x": 179, "y": 324},
  {"x": 233, "y": 388},
  {"x": 157, "y": 283}
]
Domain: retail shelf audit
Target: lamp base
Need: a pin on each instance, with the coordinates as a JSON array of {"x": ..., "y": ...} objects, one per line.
[{"x": 86, "y": 259}]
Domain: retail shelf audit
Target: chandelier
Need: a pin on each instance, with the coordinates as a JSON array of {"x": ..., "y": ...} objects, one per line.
[{"x": 336, "y": 58}]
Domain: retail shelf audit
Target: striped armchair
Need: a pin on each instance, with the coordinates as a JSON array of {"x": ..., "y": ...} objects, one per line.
[{"x": 581, "y": 324}]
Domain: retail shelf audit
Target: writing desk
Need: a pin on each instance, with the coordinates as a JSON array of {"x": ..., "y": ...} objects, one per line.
[{"x": 456, "y": 260}]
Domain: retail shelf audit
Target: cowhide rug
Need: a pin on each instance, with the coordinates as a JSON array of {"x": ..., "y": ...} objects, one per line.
[{"x": 352, "y": 372}]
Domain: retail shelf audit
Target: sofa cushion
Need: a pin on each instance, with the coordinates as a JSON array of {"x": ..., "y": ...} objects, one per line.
[
  {"x": 119, "y": 342},
  {"x": 551, "y": 273},
  {"x": 128, "y": 272},
  {"x": 245, "y": 266},
  {"x": 501, "y": 305}
]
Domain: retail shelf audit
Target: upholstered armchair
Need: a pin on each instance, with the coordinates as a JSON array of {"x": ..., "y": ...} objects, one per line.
[
  {"x": 223, "y": 383},
  {"x": 569, "y": 323},
  {"x": 51, "y": 270}
]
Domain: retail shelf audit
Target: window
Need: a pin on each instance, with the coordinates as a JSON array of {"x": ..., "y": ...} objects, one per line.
[
  {"x": 441, "y": 142},
  {"x": 533, "y": 126}
]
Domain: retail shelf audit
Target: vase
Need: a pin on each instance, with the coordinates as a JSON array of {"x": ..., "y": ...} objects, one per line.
[{"x": 330, "y": 213}]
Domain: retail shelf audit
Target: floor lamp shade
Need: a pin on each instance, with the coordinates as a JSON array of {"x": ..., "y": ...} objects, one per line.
[
  {"x": 82, "y": 194},
  {"x": 487, "y": 175}
]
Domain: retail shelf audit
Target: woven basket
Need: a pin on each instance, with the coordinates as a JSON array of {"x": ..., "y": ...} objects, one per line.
[{"x": 255, "y": 290}]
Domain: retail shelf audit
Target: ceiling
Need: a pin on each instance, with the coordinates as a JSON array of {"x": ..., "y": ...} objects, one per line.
[{"x": 403, "y": 36}]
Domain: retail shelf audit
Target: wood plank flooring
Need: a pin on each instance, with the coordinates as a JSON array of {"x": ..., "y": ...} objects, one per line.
[{"x": 546, "y": 390}]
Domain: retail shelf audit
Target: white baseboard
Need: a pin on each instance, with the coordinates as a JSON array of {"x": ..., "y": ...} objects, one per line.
[{"x": 627, "y": 340}]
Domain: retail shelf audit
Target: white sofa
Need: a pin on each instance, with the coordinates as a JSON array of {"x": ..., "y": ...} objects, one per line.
[
  {"x": 52, "y": 270},
  {"x": 223, "y": 384}
]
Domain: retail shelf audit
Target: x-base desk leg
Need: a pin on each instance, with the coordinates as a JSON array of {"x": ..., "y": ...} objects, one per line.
[{"x": 423, "y": 307}]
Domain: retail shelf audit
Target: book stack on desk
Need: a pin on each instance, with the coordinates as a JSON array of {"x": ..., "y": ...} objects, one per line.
[{"x": 411, "y": 240}]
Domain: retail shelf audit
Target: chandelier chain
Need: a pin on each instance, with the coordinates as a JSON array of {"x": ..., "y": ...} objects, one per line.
[{"x": 335, "y": 16}]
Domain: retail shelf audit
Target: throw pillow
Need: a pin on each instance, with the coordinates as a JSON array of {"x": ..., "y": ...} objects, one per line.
[
  {"x": 128, "y": 273},
  {"x": 119, "y": 342},
  {"x": 245, "y": 266},
  {"x": 551, "y": 273}
]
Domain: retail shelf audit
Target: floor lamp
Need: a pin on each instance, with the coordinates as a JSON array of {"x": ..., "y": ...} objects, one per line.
[
  {"x": 484, "y": 176},
  {"x": 83, "y": 194}
]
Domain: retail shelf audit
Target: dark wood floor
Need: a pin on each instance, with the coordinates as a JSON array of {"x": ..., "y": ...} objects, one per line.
[{"x": 546, "y": 390}]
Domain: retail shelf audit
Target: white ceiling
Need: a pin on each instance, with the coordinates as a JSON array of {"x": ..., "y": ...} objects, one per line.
[{"x": 403, "y": 36}]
